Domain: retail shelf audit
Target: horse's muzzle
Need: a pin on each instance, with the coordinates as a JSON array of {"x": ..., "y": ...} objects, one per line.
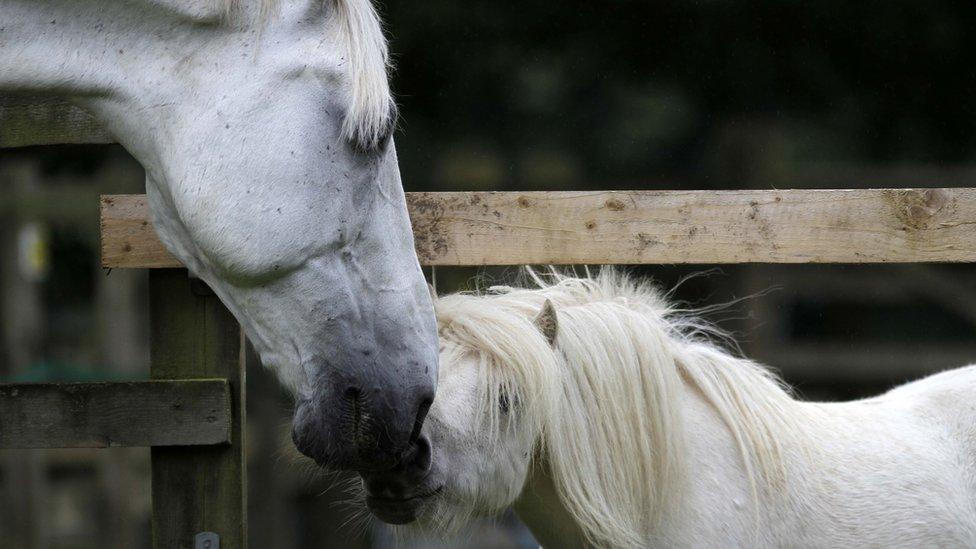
[{"x": 361, "y": 430}]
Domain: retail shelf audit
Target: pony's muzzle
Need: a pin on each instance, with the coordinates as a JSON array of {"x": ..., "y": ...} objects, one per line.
[{"x": 394, "y": 496}]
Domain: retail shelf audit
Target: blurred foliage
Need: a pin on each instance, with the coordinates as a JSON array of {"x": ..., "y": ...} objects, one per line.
[{"x": 637, "y": 94}]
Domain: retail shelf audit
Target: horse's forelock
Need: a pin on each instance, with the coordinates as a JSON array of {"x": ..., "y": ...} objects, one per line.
[{"x": 371, "y": 113}]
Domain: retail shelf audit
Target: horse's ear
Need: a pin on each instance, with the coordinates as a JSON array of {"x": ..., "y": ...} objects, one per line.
[{"x": 547, "y": 322}]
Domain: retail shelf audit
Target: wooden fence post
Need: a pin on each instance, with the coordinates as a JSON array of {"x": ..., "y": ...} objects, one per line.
[{"x": 197, "y": 488}]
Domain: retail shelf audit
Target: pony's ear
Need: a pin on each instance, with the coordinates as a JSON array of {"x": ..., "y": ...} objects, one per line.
[{"x": 547, "y": 322}]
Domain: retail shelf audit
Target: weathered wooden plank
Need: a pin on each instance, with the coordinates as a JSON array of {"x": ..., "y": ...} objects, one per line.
[
  {"x": 30, "y": 120},
  {"x": 100, "y": 415},
  {"x": 197, "y": 488},
  {"x": 128, "y": 238},
  {"x": 645, "y": 227}
]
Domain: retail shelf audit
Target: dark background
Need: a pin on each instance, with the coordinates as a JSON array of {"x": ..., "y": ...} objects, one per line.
[{"x": 537, "y": 95}]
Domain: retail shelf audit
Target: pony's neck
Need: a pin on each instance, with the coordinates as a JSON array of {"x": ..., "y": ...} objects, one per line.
[{"x": 540, "y": 508}]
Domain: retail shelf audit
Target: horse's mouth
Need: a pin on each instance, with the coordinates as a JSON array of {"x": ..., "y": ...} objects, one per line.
[{"x": 399, "y": 510}]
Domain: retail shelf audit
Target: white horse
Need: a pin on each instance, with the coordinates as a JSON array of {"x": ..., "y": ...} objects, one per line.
[
  {"x": 264, "y": 128},
  {"x": 608, "y": 419}
]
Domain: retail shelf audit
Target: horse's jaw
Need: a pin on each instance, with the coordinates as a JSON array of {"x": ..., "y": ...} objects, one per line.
[
  {"x": 350, "y": 331},
  {"x": 364, "y": 366}
]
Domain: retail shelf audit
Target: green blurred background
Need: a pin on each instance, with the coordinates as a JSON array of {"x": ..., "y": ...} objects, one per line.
[{"x": 533, "y": 95}]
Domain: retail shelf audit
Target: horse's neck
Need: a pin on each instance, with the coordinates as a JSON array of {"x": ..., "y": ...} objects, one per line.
[
  {"x": 544, "y": 514},
  {"x": 119, "y": 50},
  {"x": 143, "y": 67},
  {"x": 70, "y": 48}
]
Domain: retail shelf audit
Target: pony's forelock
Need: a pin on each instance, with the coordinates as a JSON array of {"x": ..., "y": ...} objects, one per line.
[
  {"x": 514, "y": 360},
  {"x": 604, "y": 401}
]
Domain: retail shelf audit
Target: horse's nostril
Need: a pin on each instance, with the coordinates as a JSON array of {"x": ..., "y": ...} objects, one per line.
[
  {"x": 418, "y": 422},
  {"x": 352, "y": 393},
  {"x": 353, "y": 427}
]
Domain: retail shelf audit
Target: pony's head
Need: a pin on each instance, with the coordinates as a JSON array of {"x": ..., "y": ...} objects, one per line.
[
  {"x": 583, "y": 379},
  {"x": 499, "y": 380}
]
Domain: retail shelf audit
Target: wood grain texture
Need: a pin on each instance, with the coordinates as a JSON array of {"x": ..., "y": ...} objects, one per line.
[
  {"x": 645, "y": 227},
  {"x": 197, "y": 488},
  {"x": 31, "y": 120},
  {"x": 128, "y": 238},
  {"x": 101, "y": 415}
]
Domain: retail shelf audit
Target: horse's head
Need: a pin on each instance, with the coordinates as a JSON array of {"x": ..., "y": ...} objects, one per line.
[
  {"x": 483, "y": 430},
  {"x": 264, "y": 128},
  {"x": 272, "y": 175}
]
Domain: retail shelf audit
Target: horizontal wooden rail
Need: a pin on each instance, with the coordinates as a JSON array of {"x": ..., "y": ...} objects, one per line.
[
  {"x": 100, "y": 415},
  {"x": 645, "y": 227}
]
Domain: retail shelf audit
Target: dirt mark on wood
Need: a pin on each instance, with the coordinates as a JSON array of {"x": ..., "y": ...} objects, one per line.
[{"x": 427, "y": 214}]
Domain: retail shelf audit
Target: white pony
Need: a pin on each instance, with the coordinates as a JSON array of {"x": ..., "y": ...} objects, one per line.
[
  {"x": 264, "y": 127},
  {"x": 608, "y": 419}
]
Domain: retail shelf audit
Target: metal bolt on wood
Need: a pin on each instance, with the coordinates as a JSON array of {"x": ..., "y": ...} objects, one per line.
[{"x": 206, "y": 540}]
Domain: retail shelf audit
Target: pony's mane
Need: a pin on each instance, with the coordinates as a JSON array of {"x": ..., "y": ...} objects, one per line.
[
  {"x": 372, "y": 110},
  {"x": 603, "y": 397}
]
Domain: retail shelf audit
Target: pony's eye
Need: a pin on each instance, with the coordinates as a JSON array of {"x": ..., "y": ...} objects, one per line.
[{"x": 504, "y": 403}]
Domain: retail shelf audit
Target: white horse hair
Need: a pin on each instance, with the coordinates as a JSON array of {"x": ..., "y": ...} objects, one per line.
[
  {"x": 632, "y": 429},
  {"x": 265, "y": 129},
  {"x": 371, "y": 106}
]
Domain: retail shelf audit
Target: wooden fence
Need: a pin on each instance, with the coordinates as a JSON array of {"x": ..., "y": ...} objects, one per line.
[
  {"x": 645, "y": 227},
  {"x": 192, "y": 412}
]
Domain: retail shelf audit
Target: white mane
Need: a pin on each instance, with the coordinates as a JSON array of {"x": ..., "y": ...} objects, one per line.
[
  {"x": 608, "y": 393},
  {"x": 372, "y": 110}
]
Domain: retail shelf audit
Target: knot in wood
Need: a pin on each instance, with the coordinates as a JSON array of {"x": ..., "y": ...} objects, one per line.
[{"x": 916, "y": 207}]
